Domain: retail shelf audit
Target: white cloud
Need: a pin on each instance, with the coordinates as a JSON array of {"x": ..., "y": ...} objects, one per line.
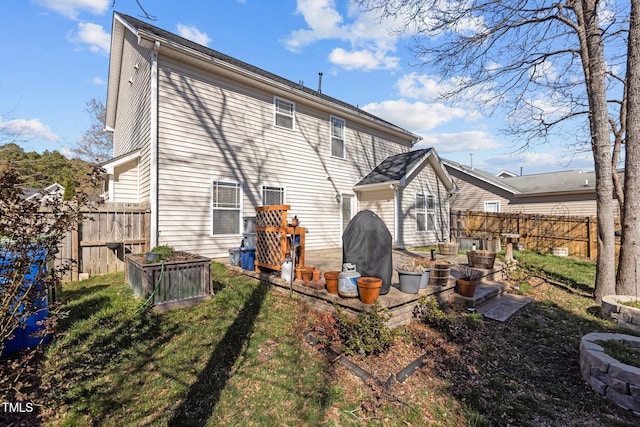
[
  {"x": 94, "y": 36},
  {"x": 71, "y": 8},
  {"x": 370, "y": 41},
  {"x": 363, "y": 60},
  {"x": 194, "y": 34},
  {"x": 26, "y": 129},
  {"x": 419, "y": 86},
  {"x": 416, "y": 116},
  {"x": 98, "y": 81},
  {"x": 461, "y": 141},
  {"x": 323, "y": 21}
]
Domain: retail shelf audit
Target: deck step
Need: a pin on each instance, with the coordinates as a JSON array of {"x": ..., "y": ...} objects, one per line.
[{"x": 486, "y": 290}]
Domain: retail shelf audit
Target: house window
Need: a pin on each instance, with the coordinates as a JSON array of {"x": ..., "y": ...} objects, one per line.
[
  {"x": 492, "y": 206},
  {"x": 284, "y": 112},
  {"x": 226, "y": 214},
  {"x": 272, "y": 195},
  {"x": 337, "y": 137},
  {"x": 425, "y": 212}
]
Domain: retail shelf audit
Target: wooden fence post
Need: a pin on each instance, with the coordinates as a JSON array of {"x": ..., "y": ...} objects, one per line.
[{"x": 75, "y": 252}]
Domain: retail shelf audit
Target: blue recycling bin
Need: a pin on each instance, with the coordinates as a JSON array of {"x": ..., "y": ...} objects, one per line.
[
  {"x": 247, "y": 258},
  {"x": 23, "y": 335}
]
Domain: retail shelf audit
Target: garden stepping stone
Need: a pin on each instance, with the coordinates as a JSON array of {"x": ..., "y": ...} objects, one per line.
[{"x": 503, "y": 306}]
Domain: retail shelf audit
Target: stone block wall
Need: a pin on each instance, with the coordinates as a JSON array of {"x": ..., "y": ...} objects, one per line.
[{"x": 613, "y": 380}]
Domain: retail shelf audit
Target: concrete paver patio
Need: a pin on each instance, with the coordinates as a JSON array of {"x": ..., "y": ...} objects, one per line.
[{"x": 399, "y": 304}]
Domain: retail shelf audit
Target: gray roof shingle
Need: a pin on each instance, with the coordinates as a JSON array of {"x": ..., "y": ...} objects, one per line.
[{"x": 394, "y": 168}]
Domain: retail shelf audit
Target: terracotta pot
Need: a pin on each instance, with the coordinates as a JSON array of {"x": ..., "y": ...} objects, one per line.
[
  {"x": 331, "y": 278},
  {"x": 299, "y": 273},
  {"x": 316, "y": 274},
  {"x": 467, "y": 288},
  {"x": 369, "y": 289},
  {"x": 307, "y": 274}
]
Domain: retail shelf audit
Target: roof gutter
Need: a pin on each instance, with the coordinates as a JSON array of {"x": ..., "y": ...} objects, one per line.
[{"x": 386, "y": 185}]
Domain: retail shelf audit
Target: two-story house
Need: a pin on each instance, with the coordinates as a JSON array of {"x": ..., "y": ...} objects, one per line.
[{"x": 203, "y": 139}]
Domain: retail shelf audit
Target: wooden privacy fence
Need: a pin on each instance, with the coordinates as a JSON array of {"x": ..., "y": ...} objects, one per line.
[
  {"x": 125, "y": 224},
  {"x": 542, "y": 233}
]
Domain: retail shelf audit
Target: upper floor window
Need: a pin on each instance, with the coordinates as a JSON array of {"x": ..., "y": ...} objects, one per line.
[
  {"x": 284, "y": 112},
  {"x": 226, "y": 203},
  {"x": 425, "y": 212},
  {"x": 337, "y": 137},
  {"x": 272, "y": 195}
]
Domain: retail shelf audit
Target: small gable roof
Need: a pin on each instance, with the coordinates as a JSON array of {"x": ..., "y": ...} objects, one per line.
[{"x": 398, "y": 169}]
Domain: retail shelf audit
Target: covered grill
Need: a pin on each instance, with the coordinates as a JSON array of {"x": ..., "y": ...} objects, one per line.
[{"x": 367, "y": 243}]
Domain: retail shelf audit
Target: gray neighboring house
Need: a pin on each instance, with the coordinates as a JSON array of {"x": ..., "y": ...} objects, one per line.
[
  {"x": 570, "y": 192},
  {"x": 202, "y": 139}
]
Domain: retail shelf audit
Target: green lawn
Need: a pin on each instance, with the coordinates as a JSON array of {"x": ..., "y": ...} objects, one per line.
[{"x": 240, "y": 359}]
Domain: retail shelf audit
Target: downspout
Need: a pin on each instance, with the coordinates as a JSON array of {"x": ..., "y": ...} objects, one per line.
[
  {"x": 397, "y": 220},
  {"x": 153, "y": 235}
]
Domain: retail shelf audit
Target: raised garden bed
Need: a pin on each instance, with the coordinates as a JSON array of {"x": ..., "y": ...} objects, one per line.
[
  {"x": 182, "y": 280},
  {"x": 612, "y": 379},
  {"x": 625, "y": 316}
]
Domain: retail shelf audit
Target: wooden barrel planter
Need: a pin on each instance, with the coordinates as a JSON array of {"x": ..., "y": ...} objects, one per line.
[
  {"x": 481, "y": 259},
  {"x": 440, "y": 272},
  {"x": 450, "y": 248}
]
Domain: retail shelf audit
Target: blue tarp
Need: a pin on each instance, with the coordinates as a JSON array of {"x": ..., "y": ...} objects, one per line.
[{"x": 23, "y": 338}]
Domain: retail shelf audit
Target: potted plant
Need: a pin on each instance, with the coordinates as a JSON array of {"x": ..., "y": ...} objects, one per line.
[
  {"x": 369, "y": 289},
  {"x": 468, "y": 281},
  {"x": 426, "y": 263},
  {"x": 410, "y": 275}
]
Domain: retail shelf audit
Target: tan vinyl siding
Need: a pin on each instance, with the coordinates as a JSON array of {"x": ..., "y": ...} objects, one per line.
[
  {"x": 213, "y": 128},
  {"x": 126, "y": 182},
  {"x": 133, "y": 116},
  {"x": 425, "y": 182},
  {"x": 472, "y": 193},
  {"x": 573, "y": 205}
]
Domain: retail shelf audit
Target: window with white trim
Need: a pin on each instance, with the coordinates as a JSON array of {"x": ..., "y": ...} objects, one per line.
[
  {"x": 284, "y": 113},
  {"x": 272, "y": 195},
  {"x": 226, "y": 204},
  {"x": 425, "y": 212},
  {"x": 492, "y": 206},
  {"x": 337, "y": 137}
]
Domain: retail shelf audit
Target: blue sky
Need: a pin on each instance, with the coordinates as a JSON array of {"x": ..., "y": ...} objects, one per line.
[{"x": 55, "y": 57}]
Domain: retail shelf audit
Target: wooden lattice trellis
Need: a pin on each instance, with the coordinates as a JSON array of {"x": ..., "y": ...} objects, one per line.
[{"x": 271, "y": 236}]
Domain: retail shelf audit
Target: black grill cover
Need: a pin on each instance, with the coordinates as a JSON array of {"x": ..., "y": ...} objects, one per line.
[{"x": 366, "y": 242}]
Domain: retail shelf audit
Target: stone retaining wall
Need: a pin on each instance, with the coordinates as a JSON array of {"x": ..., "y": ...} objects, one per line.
[
  {"x": 612, "y": 379},
  {"x": 623, "y": 315}
]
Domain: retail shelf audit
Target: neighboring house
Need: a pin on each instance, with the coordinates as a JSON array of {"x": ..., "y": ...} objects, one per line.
[
  {"x": 53, "y": 192},
  {"x": 203, "y": 139},
  {"x": 570, "y": 192}
]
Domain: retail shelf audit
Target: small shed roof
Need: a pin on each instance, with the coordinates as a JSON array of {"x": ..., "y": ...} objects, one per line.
[{"x": 399, "y": 168}]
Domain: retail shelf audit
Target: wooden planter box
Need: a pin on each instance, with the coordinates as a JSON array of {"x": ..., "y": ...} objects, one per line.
[{"x": 178, "y": 284}]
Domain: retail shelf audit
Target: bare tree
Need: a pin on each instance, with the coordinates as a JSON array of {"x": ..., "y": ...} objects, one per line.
[
  {"x": 513, "y": 51},
  {"x": 627, "y": 283},
  {"x": 96, "y": 145}
]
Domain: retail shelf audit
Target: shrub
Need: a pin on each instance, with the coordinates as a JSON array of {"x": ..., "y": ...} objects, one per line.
[
  {"x": 429, "y": 311},
  {"x": 367, "y": 333},
  {"x": 163, "y": 251}
]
